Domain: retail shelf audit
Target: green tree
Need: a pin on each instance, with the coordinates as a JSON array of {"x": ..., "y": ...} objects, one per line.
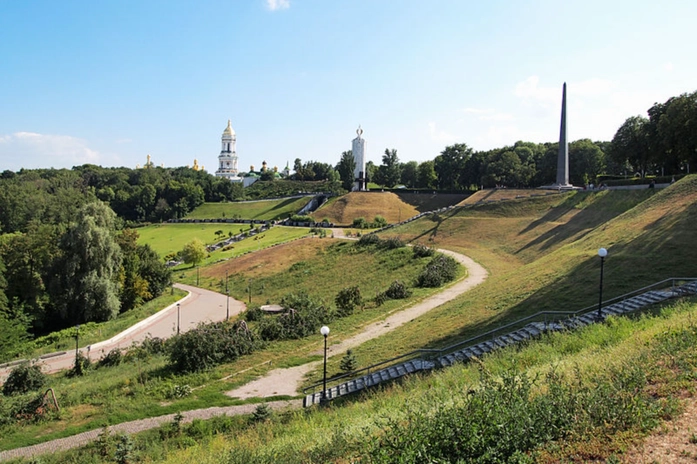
[
  {"x": 389, "y": 171},
  {"x": 85, "y": 287},
  {"x": 450, "y": 166},
  {"x": 348, "y": 363},
  {"x": 346, "y": 167},
  {"x": 586, "y": 162},
  {"x": 410, "y": 174},
  {"x": 426, "y": 176},
  {"x": 194, "y": 252},
  {"x": 631, "y": 144}
]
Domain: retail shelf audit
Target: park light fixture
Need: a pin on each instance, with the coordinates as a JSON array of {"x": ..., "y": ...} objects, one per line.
[
  {"x": 324, "y": 331},
  {"x": 178, "y": 318},
  {"x": 602, "y": 252}
]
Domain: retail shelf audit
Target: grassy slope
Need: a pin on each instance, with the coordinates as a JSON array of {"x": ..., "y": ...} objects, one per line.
[
  {"x": 343, "y": 210},
  {"x": 267, "y": 210},
  {"x": 431, "y": 202}
]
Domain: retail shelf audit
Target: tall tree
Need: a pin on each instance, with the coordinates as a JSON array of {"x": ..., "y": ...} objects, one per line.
[
  {"x": 426, "y": 175},
  {"x": 389, "y": 171},
  {"x": 85, "y": 286},
  {"x": 631, "y": 144},
  {"x": 346, "y": 167},
  {"x": 586, "y": 162},
  {"x": 410, "y": 174},
  {"x": 194, "y": 252},
  {"x": 450, "y": 166}
]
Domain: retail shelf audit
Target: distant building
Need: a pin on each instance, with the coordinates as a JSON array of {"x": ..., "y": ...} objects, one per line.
[{"x": 227, "y": 160}]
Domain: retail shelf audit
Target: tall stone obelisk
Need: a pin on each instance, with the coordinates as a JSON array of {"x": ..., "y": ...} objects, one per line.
[{"x": 563, "y": 158}]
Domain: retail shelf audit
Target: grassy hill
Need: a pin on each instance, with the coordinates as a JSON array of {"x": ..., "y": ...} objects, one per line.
[
  {"x": 265, "y": 210},
  {"x": 541, "y": 254},
  {"x": 343, "y": 210}
]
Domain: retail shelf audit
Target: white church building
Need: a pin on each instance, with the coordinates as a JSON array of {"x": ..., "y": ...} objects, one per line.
[{"x": 227, "y": 160}]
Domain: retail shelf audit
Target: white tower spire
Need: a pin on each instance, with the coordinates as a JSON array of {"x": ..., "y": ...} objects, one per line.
[{"x": 227, "y": 160}]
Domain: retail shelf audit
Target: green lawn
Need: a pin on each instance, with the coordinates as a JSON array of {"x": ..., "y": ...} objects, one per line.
[{"x": 267, "y": 210}]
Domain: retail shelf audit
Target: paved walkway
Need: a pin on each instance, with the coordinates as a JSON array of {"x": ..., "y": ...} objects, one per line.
[
  {"x": 200, "y": 305},
  {"x": 276, "y": 382}
]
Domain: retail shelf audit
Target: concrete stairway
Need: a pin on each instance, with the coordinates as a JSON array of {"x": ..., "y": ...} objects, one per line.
[{"x": 528, "y": 332}]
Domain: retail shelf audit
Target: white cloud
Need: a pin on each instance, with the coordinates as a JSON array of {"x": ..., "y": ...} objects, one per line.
[
  {"x": 31, "y": 150},
  {"x": 668, "y": 66},
  {"x": 440, "y": 136},
  {"x": 273, "y": 5}
]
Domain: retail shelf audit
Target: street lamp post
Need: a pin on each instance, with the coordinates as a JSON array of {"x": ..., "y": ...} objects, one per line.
[
  {"x": 178, "y": 318},
  {"x": 77, "y": 344},
  {"x": 602, "y": 253},
  {"x": 197, "y": 275},
  {"x": 249, "y": 290},
  {"x": 324, "y": 331},
  {"x": 227, "y": 311}
]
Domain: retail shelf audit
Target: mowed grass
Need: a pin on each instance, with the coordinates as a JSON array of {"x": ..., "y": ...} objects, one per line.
[
  {"x": 424, "y": 201},
  {"x": 270, "y": 238},
  {"x": 343, "y": 210},
  {"x": 266, "y": 210},
  {"x": 171, "y": 238}
]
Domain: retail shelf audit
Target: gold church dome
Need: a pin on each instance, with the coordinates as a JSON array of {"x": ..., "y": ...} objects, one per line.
[{"x": 229, "y": 130}]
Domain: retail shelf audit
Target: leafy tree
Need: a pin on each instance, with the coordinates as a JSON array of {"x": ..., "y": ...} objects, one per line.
[
  {"x": 586, "y": 162},
  {"x": 450, "y": 166},
  {"x": 85, "y": 286},
  {"x": 22, "y": 379},
  {"x": 389, "y": 171},
  {"x": 346, "y": 168},
  {"x": 631, "y": 144},
  {"x": 410, "y": 174},
  {"x": 194, "y": 252},
  {"x": 371, "y": 171},
  {"x": 426, "y": 175},
  {"x": 348, "y": 299}
]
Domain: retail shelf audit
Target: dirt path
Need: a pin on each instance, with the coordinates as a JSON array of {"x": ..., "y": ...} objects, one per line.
[
  {"x": 288, "y": 381},
  {"x": 136, "y": 426}
]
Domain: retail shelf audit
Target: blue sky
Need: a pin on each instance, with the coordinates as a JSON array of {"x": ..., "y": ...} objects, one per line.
[{"x": 108, "y": 82}]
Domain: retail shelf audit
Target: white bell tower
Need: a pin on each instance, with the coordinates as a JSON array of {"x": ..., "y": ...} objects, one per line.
[{"x": 227, "y": 160}]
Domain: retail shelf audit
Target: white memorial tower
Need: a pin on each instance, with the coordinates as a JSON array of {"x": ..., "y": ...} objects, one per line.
[
  {"x": 358, "y": 149},
  {"x": 227, "y": 160}
]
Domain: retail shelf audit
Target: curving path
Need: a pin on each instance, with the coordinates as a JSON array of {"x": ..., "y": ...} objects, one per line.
[
  {"x": 198, "y": 306},
  {"x": 201, "y": 305}
]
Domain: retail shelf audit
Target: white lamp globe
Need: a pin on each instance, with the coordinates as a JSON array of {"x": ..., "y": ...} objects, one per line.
[
  {"x": 602, "y": 252},
  {"x": 324, "y": 330}
]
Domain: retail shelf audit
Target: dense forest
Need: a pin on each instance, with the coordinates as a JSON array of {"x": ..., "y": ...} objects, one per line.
[{"x": 69, "y": 254}]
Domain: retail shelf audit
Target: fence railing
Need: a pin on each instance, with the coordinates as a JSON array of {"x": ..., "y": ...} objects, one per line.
[{"x": 547, "y": 317}]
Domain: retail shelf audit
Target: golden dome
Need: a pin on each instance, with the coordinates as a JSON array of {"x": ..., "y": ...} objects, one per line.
[{"x": 229, "y": 130}]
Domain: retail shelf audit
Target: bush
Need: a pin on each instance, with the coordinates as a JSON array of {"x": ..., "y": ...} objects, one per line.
[
  {"x": 304, "y": 317},
  {"x": 369, "y": 239},
  {"x": 347, "y": 300},
  {"x": 252, "y": 314},
  {"x": 379, "y": 222},
  {"x": 262, "y": 413},
  {"x": 440, "y": 270},
  {"x": 391, "y": 243},
  {"x": 397, "y": 291},
  {"x": 360, "y": 223},
  {"x": 113, "y": 358},
  {"x": 211, "y": 344},
  {"x": 422, "y": 251},
  {"x": 22, "y": 379},
  {"x": 348, "y": 363},
  {"x": 82, "y": 364},
  {"x": 299, "y": 218}
]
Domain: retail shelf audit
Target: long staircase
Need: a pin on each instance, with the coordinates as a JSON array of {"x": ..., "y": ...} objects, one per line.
[{"x": 510, "y": 334}]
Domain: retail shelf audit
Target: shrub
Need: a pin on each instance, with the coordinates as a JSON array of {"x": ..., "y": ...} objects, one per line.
[
  {"x": 347, "y": 300},
  {"x": 422, "y": 251},
  {"x": 261, "y": 413},
  {"x": 299, "y": 218},
  {"x": 82, "y": 364},
  {"x": 440, "y": 270},
  {"x": 369, "y": 239},
  {"x": 348, "y": 363},
  {"x": 391, "y": 243},
  {"x": 253, "y": 314},
  {"x": 379, "y": 222},
  {"x": 22, "y": 379},
  {"x": 211, "y": 344},
  {"x": 304, "y": 316},
  {"x": 397, "y": 291},
  {"x": 360, "y": 223},
  {"x": 112, "y": 358}
]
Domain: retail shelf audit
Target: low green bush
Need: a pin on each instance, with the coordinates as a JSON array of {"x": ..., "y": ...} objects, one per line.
[
  {"x": 422, "y": 251},
  {"x": 347, "y": 300},
  {"x": 440, "y": 270},
  {"x": 397, "y": 291},
  {"x": 22, "y": 379}
]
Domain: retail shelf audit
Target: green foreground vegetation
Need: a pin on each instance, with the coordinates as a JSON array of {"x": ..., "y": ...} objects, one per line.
[{"x": 541, "y": 253}]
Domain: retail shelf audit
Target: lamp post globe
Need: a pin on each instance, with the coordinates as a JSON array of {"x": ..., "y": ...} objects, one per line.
[
  {"x": 602, "y": 252},
  {"x": 324, "y": 331}
]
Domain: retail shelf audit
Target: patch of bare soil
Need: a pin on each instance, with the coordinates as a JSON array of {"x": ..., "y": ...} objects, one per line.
[{"x": 674, "y": 442}]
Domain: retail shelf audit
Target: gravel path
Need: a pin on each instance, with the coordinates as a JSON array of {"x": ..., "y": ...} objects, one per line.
[
  {"x": 136, "y": 426},
  {"x": 277, "y": 381}
]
